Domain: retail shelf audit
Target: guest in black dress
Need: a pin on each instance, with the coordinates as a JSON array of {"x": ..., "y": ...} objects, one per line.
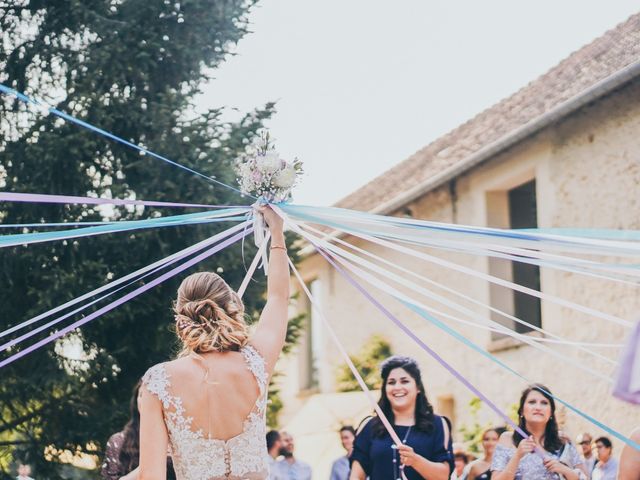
[
  {"x": 427, "y": 450},
  {"x": 481, "y": 468},
  {"x": 122, "y": 454}
]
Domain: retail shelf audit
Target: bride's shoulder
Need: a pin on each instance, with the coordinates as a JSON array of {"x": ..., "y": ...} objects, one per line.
[{"x": 154, "y": 374}]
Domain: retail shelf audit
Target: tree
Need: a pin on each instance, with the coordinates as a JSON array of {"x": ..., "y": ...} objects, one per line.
[
  {"x": 132, "y": 68},
  {"x": 367, "y": 362}
]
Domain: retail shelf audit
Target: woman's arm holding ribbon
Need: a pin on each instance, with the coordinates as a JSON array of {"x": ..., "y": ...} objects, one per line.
[
  {"x": 270, "y": 333},
  {"x": 426, "y": 468}
]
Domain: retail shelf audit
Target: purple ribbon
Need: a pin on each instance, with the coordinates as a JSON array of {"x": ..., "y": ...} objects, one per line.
[
  {"x": 127, "y": 297},
  {"x": 423, "y": 345},
  {"x": 42, "y": 198},
  {"x": 627, "y": 383}
]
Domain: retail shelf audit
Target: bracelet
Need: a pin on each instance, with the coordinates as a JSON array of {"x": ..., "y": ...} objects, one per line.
[{"x": 278, "y": 247}]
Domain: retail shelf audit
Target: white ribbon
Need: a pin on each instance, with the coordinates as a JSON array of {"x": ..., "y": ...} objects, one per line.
[
  {"x": 499, "y": 328},
  {"x": 254, "y": 264},
  {"x": 385, "y": 287},
  {"x": 260, "y": 236},
  {"x": 493, "y": 279}
]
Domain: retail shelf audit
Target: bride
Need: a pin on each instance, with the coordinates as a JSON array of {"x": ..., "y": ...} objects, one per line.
[{"x": 207, "y": 407}]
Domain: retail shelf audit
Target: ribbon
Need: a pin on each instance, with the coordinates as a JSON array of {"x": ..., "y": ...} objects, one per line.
[
  {"x": 122, "y": 226},
  {"x": 42, "y": 198},
  {"x": 254, "y": 264},
  {"x": 137, "y": 273},
  {"x": 146, "y": 272},
  {"x": 125, "y": 298},
  {"x": 490, "y": 278},
  {"x": 385, "y": 287},
  {"x": 491, "y": 357},
  {"x": 498, "y": 327},
  {"x": 45, "y": 109},
  {"x": 627, "y": 382},
  {"x": 449, "y": 368},
  {"x": 525, "y": 251},
  {"x": 260, "y": 233},
  {"x": 598, "y": 239},
  {"x": 346, "y": 358},
  {"x": 109, "y": 222}
]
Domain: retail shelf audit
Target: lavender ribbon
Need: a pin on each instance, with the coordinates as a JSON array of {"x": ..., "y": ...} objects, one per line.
[
  {"x": 627, "y": 382},
  {"x": 42, "y": 198},
  {"x": 127, "y": 297}
]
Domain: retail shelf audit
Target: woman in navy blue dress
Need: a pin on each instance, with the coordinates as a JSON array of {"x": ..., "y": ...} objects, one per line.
[{"x": 426, "y": 451}]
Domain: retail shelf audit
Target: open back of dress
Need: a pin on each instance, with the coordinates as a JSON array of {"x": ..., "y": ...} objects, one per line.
[{"x": 198, "y": 456}]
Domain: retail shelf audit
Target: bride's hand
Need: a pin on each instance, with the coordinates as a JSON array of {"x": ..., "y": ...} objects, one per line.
[{"x": 274, "y": 221}]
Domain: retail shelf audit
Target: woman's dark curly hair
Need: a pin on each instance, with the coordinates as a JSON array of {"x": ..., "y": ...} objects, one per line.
[
  {"x": 423, "y": 411},
  {"x": 552, "y": 441}
]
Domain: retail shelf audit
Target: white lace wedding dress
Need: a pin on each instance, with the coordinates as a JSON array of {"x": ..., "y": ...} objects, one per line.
[{"x": 195, "y": 457}]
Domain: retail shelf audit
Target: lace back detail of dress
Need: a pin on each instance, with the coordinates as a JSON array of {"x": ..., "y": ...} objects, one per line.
[
  {"x": 257, "y": 366},
  {"x": 196, "y": 457}
]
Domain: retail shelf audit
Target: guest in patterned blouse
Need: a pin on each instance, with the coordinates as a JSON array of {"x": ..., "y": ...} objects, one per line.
[
  {"x": 542, "y": 454},
  {"x": 123, "y": 448}
]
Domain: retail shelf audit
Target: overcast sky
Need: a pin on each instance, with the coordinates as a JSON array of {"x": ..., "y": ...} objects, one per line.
[{"x": 362, "y": 84}]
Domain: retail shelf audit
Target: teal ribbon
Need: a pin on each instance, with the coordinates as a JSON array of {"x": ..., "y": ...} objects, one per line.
[{"x": 122, "y": 226}]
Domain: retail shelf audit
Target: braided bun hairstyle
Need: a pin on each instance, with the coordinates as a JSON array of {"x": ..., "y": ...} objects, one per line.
[{"x": 209, "y": 315}]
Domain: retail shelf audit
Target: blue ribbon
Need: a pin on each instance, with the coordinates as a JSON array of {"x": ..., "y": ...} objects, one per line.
[
  {"x": 520, "y": 234},
  {"x": 32, "y": 101},
  {"x": 340, "y": 226}
]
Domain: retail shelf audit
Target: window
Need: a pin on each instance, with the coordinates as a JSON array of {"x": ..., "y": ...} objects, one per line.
[
  {"x": 514, "y": 208},
  {"x": 523, "y": 214},
  {"x": 311, "y": 342}
]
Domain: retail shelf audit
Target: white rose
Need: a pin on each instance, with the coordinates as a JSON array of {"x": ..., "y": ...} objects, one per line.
[
  {"x": 286, "y": 177},
  {"x": 269, "y": 163}
]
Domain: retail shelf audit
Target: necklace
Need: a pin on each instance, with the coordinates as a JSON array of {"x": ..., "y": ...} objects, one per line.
[
  {"x": 197, "y": 357},
  {"x": 398, "y": 469}
]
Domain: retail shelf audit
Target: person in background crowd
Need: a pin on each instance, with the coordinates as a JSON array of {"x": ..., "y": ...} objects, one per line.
[
  {"x": 481, "y": 468},
  {"x": 274, "y": 445},
  {"x": 290, "y": 468},
  {"x": 585, "y": 442},
  {"x": 23, "y": 472},
  {"x": 340, "y": 468},
  {"x": 607, "y": 467},
  {"x": 427, "y": 449},
  {"x": 460, "y": 464},
  {"x": 122, "y": 454},
  {"x": 511, "y": 459},
  {"x": 629, "y": 466}
]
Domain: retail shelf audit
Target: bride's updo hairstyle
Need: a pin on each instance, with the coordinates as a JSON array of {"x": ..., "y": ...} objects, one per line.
[{"x": 209, "y": 315}]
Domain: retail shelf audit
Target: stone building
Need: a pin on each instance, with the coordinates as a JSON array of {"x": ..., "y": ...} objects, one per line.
[{"x": 564, "y": 151}]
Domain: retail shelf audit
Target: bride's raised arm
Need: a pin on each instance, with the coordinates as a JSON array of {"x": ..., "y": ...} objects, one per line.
[{"x": 270, "y": 333}]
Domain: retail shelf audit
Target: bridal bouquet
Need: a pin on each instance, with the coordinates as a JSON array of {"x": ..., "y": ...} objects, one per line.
[{"x": 264, "y": 174}]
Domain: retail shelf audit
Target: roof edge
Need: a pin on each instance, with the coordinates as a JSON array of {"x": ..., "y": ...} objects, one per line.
[{"x": 596, "y": 91}]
